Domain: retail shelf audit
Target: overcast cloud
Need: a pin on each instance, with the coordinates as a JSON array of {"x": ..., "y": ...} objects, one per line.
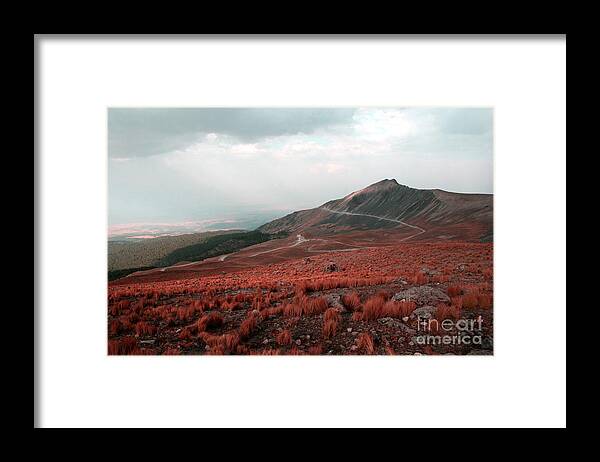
[{"x": 250, "y": 165}]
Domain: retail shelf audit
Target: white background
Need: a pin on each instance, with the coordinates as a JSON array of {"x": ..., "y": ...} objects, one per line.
[{"x": 524, "y": 384}]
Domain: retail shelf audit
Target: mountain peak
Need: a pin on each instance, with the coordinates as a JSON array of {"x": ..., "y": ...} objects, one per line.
[
  {"x": 381, "y": 185},
  {"x": 388, "y": 181}
]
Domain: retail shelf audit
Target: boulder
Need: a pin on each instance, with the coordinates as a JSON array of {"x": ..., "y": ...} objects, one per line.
[
  {"x": 424, "y": 312},
  {"x": 423, "y": 295},
  {"x": 331, "y": 267}
]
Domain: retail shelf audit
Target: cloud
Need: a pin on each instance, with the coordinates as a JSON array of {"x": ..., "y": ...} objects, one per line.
[
  {"x": 146, "y": 131},
  {"x": 196, "y": 164},
  {"x": 330, "y": 168}
]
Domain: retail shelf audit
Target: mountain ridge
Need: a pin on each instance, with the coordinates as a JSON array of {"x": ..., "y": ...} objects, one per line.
[{"x": 432, "y": 209}]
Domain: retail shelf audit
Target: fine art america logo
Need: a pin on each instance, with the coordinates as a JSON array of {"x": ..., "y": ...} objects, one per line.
[{"x": 449, "y": 331}]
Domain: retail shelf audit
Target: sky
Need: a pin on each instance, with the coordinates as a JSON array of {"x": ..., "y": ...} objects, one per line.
[{"x": 205, "y": 168}]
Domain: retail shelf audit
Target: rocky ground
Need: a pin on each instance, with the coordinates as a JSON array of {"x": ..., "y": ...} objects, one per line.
[{"x": 437, "y": 302}]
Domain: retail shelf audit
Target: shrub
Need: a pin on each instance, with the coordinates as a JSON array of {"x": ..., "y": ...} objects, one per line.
[
  {"x": 229, "y": 342},
  {"x": 484, "y": 301},
  {"x": 329, "y": 328},
  {"x": 384, "y": 294},
  {"x": 396, "y": 309},
  {"x": 316, "y": 305},
  {"x": 284, "y": 338},
  {"x": 419, "y": 278},
  {"x": 446, "y": 312},
  {"x": 332, "y": 315},
  {"x": 469, "y": 301},
  {"x": 211, "y": 320},
  {"x": 454, "y": 291},
  {"x": 268, "y": 312},
  {"x": 457, "y": 302},
  {"x": 315, "y": 350},
  {"x": 124, "y": 346},
  {"x": 351, "y": 301},
  {"x": 144, "y": 328},
  {"x": 357, "y": 316},
  {"x": 248, "y": 326},
  {"x": 114, "y": 327},
  {"x": 373, "y": 308},
  {"x": 406, "y": 307},
  {"x": 292, "y": 310},
  {"x": 365, "y": 343}
]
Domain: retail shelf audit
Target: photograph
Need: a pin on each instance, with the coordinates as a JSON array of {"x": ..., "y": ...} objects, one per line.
[{"x": 300, "y": 230}]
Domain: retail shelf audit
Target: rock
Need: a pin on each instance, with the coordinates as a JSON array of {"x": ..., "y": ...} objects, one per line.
[
  {"x": 308, "y": 337},
  {"x": 265, "y": 341},
  {"x": 349, "y": 329},
  {"x": 331, "y": 267},
  {"x": 405, "y": 318},
  {"x": 487, "y": 343},
  {"x": 334, "y": 301},
  {"x": 423, "y": 295},
  {"x": 148, "y": 342},
  {"x": 298, "y": 342},
  {"x": 207, "y": 348},
  {"x": 480, "y": 353},
  {"x": 396, "y": 324},
  {"x": 354, "y": 348},
  {"x": 425, "y": 312},
  {"x": 417, "y": 354}
]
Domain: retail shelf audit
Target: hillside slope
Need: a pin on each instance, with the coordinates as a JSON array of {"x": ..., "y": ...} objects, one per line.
[{"x": 442, "y": 214}]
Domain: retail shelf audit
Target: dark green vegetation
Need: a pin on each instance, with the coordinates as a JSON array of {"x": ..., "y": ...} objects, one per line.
[
  {"x": 217, "y": 245},
  {"x": 121, "y": 273}
]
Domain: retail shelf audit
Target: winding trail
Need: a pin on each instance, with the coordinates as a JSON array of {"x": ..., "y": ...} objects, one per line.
[
  {"x": 300, "y": 240},
  {"x": 418, "y": 228}
]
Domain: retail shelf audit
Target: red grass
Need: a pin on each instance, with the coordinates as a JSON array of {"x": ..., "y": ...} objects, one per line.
[
  {"x": 221, "y": 344},
  {"x": 373, "y": 308},
  {"x": 123, "y": 346},
  {"x": 457, "y": 302},
  {"x": 446, "y": 312},
  {"x": 114, "y": 327},
  {"x": 384, "y": 294},
  {"x": 312, "y": 305},
  {"x": 269, "y": 312},
  {"x": 292, "y": 310},
  {"x": 469, "y": 301},
  {"x": 394, "y": 309},
  {"x": 331, "y": 319},
  {"x": 315, "y": 350},
  {"x": 419, "y": 278},
  {"x": 144, "y": 328},
  {"x": 365, "y": 343},
  {"x": 208, "y": 321},
  {"x": 248, "y": 326},
  {"x": 284, "y": 338},
  {"x": 484, "y": 301},
  {"x": 357, "y": 316},
  {"x": 169, "y": 304},
  {"x": 351, "y": 301},
  {"x": 454, "y": 291}
]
